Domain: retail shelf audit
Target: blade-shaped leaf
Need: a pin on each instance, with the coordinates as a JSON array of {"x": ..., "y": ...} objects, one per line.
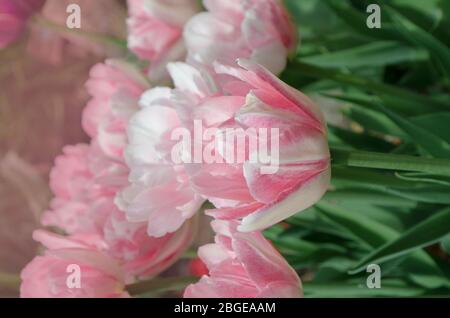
[
  {"x": 428, "y": 232},
  {"x": 358, "y": 289},
  {"x": 436, "y": 123},
  {"x": 372, "y": 54},
  {"x": 433, "y": 144},
  {"x": 414, "y": 34}
]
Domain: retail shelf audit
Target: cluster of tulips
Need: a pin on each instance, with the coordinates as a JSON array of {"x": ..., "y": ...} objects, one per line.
[{"x": 123, "y": 211}]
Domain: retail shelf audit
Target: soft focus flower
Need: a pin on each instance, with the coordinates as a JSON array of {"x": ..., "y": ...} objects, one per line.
[
  {"x": 160, "y": 192},
  {"x": 80, "y": 205},
  {"x": 232, "y": 29},
  {"x": 47, "y": 276},
  {"x": 143, "y": 256},
  {"x": 87, "y": 178},
  {"x": 85, "y": 183},
  {"x": 262, "y": 193},
  {"x": 243, "y": 265},
  {"x": 155, "y": 31},
  {"x": 13, "y": 18},
  {"x": 115, "y": 87}
]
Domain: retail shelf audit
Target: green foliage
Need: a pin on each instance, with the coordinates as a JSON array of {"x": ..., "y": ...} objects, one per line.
[{"x": 389, "y": 203}]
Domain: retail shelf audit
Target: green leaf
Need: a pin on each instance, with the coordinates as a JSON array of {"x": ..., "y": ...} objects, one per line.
[
  {"x": 420, "y": 267},
  {"x": 314, "y": 223},
  {"x": 436, "y": 123},
  {"x": 389, "y": 288},
  {"x": 363, "y": 159},
  {"x": 423, "y": 193},
  {"x": 429, "y": 15},
  {"x": 362, "y": 141},
  {"x": 374, "y": 121},
  {"x": 409, "y": 97},
  {"x": 415, "y": 35},
  {"x": 368, "y": 197},
  {"x": 445, "y": 244},
  {"x": 372, "y": 54},
  {"x": 357, "y": 20},
  {"x": 424, "y": 178},
  {"x": 433, "y": 144},
  {"x": 368, "y": 231},
  {"x": 357, "y": 178},
  {"x": 382, "y": 211},
  {"x": 425, "y": 233}
]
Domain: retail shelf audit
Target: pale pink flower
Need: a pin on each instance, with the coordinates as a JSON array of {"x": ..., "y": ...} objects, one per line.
[
  {"x": 13, "y": 18},
  {"x": 85, "y": 183},
  {"x": 251, "y": 97},
  {"x": 155, "y": 31},
  {"x": 86, "y": 179},
  {"x": 115, "y": 87},
  {"x": 232, "y": 29},
  {"x": 80, "y": 203},
  {"x": 143, "y": 256},
  {"x": 160, "y": 192},
  {"x": 243, "y": 265},
  {"x": 47, "y": 276}
]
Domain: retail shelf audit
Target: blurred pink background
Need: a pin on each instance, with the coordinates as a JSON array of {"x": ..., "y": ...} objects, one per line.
[{"x": 42, "y": 95}]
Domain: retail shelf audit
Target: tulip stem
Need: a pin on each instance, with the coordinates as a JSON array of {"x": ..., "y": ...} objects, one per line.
[
  {"x": 10, "y": 280},
  {"x": 159, "y": 285},
  {"x": 92, "y": 36},
  {"x": 389, "y": 161}
]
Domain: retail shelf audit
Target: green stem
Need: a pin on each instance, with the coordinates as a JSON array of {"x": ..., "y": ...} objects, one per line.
[
  {"x": 159, "y": 285},
  {"x": 10, "y": 280},
  {"x": 364, "y": 83},
  {"x": 190, "y": 254},
  {"x": 387, "y": 161},
  {"x": 92, "y": 36}
]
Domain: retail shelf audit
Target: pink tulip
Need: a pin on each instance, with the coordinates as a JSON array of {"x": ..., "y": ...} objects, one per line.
[
  {"x": 85, "y": 183},
  {"x": 243, "y": 265},
  {"x": 261, "y": 193},
  {"x": 87, "y": 178},
  {"x": 232, "y": 29},
  {"x": 13, "y": 18},
  {"x": 115, "y": 87},
  {"x": 82, "y": 203},
  {"x": 143, "y": 256},
  {"x": 160, "y": 192},
  {"x": 155, "y": 31},
  {"x": 48, "y": 276}
]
